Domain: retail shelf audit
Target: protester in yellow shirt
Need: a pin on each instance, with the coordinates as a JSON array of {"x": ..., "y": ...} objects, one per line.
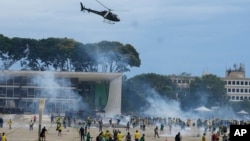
[
  {"x": 137, "y": 135},
  {"x": 107, "y": 134},
  {"x": 204, "y": 137},
  {"x": 120, "y": 136},
  {"x": 10, "y": 123},
  {"x": 4, "y": 138}
]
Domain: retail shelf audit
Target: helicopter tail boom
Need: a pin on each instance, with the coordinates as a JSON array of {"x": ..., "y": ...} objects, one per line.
[{"x": 82, "y": 7}]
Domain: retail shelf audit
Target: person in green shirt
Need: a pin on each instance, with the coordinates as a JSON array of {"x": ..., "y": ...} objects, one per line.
[
  {"x": 142, "y": 137},
  {"x": 88, "y": 137}
]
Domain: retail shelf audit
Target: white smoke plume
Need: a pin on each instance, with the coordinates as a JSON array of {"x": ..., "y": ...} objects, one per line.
[
  {"x": 160, "y": 106},
  {"x": 52, "y": 88}
]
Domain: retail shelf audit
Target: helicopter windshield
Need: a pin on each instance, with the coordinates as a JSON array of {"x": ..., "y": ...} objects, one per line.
[{"x": 116, "y": 17}]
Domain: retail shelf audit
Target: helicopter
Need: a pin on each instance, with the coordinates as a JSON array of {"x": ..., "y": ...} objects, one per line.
[{"x": 108, "y": 16}]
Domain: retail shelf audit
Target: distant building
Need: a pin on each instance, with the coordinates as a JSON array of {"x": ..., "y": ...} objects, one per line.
[
  {"x": 182, "y": 82},
  {"x": 20, "y": 91},
  {"x": 236, "y": 84}
]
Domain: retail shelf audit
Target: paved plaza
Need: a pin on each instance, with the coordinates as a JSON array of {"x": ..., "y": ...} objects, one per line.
[{"x": 20, "y": 131}]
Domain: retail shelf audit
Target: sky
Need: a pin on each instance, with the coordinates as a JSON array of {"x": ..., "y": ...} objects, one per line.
[{"x": 171, "y": 36}]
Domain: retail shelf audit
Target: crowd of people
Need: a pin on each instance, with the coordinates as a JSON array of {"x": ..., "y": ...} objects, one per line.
[{"x": 110, "y": 131}]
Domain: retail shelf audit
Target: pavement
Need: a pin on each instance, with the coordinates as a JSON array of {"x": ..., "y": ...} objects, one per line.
[{"x": 20, "y": 131}]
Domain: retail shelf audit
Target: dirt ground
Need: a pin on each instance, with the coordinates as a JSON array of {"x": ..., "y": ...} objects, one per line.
[{"x": 20, "y": 131}]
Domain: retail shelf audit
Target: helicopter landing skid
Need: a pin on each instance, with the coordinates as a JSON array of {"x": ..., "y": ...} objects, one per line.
[{"x": 108, "y": 21}]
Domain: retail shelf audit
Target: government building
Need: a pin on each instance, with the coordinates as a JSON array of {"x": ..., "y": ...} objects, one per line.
[
  {"x": 237, "y": 85},
  {"x": 62, "y": 91}
]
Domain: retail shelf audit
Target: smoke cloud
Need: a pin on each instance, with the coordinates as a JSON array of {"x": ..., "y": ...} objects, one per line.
[
  {"x": 52, "y": 90},
  {"x": 160, "y": 106}
]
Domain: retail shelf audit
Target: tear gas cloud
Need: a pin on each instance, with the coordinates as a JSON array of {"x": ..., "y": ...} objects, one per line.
[
  {"x": 52, "y": 88},
  {"x": 160, "y": 106}
]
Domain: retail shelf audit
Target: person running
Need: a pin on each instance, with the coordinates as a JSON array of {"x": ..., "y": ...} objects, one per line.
[
  {"x": 82, "y": 134},
  {"x": 137, "y": 135},
  {"x": 4, "y": 138},
  {"x": 10, "y": 123},
  {"x": 156, "y": 132}
]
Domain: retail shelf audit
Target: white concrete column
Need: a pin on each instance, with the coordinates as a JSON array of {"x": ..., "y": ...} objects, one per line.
[{"x": 114, "y": 98}]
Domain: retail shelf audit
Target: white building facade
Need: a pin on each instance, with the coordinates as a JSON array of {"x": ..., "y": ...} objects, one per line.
[{"x": 237, "y": 85}]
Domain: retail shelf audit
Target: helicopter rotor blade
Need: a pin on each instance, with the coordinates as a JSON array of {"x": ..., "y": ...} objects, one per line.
[{"x": 103, "y": 5}]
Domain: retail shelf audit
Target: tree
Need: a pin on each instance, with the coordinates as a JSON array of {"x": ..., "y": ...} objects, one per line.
[
  {"x": 63, "y": 54},
  {"x": 12, "y": 50},
  {"x": 140, "y": 87},
  {"x": 206, "y": 91},
  {"x": 112, "y": 56}
]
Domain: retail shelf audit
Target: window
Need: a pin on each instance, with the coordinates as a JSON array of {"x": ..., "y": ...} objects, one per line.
[
  {"x": 241, "y": 98},
  {"x": 233, "y": 97},
  {"x": 237, "y": 97},
  {"x": 10, "y": 92},
  {"x": 246, "y": 90},
  {"x": 241, "y": 82},
  {"x": 16, "y": 92},
  {"x": 2, "y": 80},
  {"x": 237, "y": 83},
  {"x": 229, "y": 82},
  {"x": 30, "y": 92},
  {"x": 24, "y": 92},
  {"x": 246, "y": 82},
  {"x": 37, "y": 93},
  {"x": 241, "y": 90},
  {"x": 233, "y": 82},
  {"x": 229, "y": 90},
  {"x": 17, "y": 80},
  {"x": 10, "y": 81},
  {"x": 233, "y": 90},
  {"x": 237, "y": 90},
  {"x": 2, "y": 91}
]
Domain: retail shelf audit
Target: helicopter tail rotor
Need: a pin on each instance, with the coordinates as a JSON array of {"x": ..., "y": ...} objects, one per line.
[{"x": 82, "y": 7}]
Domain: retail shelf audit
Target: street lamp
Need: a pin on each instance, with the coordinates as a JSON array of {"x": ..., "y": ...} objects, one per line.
[{"x": 41, "y": 107}]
